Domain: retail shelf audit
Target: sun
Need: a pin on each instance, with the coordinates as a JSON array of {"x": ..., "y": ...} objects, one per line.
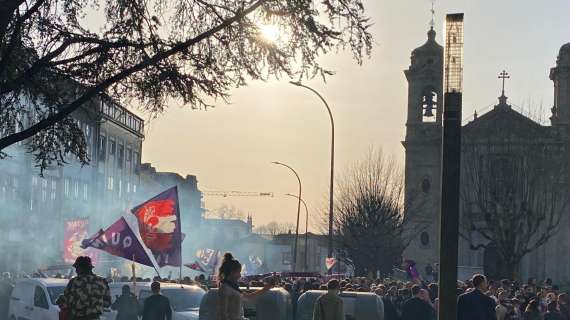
[{"x": 269, "y": 33}]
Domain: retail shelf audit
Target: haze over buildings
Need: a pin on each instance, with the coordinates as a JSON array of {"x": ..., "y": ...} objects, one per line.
[{"x": 231, "y": 147}]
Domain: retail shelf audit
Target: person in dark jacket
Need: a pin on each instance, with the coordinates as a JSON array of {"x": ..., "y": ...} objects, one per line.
[
  {"x": 532, "y": 311},
  {"x": 127, "y": 305},
  {"x": 563, "y": 300},
  {"x": 390, "y": 312},
  {"x": 157, "y": 306},
  {"x": 417, "y": 308},
  {"x": 475, "y": 305}
]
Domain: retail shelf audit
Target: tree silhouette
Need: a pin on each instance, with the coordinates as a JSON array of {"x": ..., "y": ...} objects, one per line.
[
  {"x": 513, "y": 199},
  {"x": 58, "y": 56}
]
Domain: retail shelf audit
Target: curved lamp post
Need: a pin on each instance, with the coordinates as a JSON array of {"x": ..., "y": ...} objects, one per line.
[
  {"x": 298, "y": 212},
  {"x": 331, "y": 196},
  {"x": 306, "y": 230}
]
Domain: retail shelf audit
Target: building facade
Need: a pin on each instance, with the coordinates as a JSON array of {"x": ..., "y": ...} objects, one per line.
[
  {"x": 35, "y": 207},
  {"x": 493, "y": 131}
]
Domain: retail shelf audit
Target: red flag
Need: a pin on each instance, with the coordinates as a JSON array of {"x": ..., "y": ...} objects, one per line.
[
  {"x": 329, "y": 263},
  {"x": 195, "y": 266},
  {"x": 159, "y": 227}
]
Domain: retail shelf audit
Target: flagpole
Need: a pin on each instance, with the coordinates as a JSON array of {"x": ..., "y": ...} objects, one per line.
[
  {"x": 134, "y": 275},
  {"x": 179, "y": 231}
]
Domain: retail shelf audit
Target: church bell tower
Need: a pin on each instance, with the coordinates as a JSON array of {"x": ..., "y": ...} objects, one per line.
[
  {"x": 423, "y": 150},
  {"x": 560, "y": 75}
]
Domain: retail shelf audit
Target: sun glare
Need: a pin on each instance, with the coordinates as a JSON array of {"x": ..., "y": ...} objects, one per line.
[{"x": 269, "y": 33}]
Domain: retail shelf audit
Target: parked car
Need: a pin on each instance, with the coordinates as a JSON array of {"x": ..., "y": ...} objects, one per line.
[
  {"x": 34, "y": 299},
  {"x": 184, "y": 299},
  {"x": 274, "y": 305}
]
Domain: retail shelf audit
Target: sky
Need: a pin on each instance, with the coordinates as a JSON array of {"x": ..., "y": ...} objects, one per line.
[{"x": 231, "y": 146}]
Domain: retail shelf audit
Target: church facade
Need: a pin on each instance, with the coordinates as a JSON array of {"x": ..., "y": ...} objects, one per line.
[{"x": 498, "y": 142}]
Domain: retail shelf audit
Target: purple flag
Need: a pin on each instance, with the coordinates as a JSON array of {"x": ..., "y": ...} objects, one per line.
[
  {"x": 159, "y": 227},
  {"x": 119, "y": 240}
]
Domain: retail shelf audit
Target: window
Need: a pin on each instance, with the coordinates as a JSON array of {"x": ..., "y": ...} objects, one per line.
[
  {"x": 53, "y": 190},
  {"x": 120, "y": 187},
  {"x": 76, "y": 190},
  {"x": 424, "y": 239},
  {"x": 121, "y": 156},
  {"x": 136, "y": 159},
  {"x": 426, "y": 185},
  {"x": 66, "y": 187},
  {"x": 134, "y": 188},
  {"x": 429, "y": 105},
  {"x": 44, "y": 190},
  {"x": 128, "y": 187},
  {"x": 85, "y": 192},
  {"x": 112, "y": 147},
  {"x": 40, "y": 299},
  {"x": 129, "y": 154},
  {"x": 110, "y": 183},
  {"x": 14, "y": 187},
  {"x": 102, "y": 148},
  {"x": 286, "y": 258}
]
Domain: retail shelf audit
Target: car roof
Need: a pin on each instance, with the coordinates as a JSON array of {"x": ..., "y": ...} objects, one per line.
[
  {"x": 146, "y": 285},
  {"x": 47, "y": 282}
]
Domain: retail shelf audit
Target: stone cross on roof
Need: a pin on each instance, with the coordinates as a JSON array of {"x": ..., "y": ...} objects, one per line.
[{"x": 504, "y": 75}]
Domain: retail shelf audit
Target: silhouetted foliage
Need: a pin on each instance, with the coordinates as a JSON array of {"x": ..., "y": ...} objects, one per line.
[
  {"x": 274, "y": 228},
  {"x": 56, "y": 56},
  {"x": 370, "y": 217},
  {"x": 513, "y": 198}
]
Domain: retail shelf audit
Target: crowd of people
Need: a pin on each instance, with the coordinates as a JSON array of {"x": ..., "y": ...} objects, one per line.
[
  {"x": 403, "y": 300},
  {"x": 478, "y": 298}
]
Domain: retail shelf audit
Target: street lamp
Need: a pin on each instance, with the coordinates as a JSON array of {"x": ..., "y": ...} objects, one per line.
[
  {"x": 306, "y": 230},
  {"x": 298, "y": 212},
  {"x": 331, "y": 195}
]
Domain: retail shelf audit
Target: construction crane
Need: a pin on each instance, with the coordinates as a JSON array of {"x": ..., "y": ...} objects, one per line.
[
  {"x": 225, "y": 194},
  {"x": 217, "y": 193}
]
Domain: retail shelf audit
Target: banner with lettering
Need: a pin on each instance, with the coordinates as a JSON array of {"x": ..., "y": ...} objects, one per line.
[
  {"x": 74, "y": 232},
  {"x": 119, "y": 240},
  {"x": 159, "y": 227},
  {"x": 208, "y": 259}
]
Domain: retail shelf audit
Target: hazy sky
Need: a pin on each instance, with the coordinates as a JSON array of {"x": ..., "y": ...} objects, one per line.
[{"x": 231, "y": 147}]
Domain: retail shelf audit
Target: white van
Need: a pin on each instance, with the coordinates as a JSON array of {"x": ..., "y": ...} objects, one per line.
[{"x": 34, "y": 299}]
